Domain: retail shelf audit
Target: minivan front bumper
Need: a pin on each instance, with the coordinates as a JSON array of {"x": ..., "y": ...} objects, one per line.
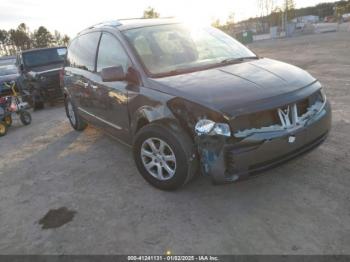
[{"x": 227, "y": 160}]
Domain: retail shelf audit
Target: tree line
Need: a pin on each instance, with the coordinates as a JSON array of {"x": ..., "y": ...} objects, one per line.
[
  {"x": 22, "y": 38},
  {"x": 335, "y": 9},
  {"x": 271, "y": 14}
]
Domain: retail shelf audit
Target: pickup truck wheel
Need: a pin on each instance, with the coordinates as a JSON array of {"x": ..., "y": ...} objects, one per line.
[
  {"x": 164, "y": 158},
  {"x": 37, "y": 103},
  {"x": 76, "y": 121}
]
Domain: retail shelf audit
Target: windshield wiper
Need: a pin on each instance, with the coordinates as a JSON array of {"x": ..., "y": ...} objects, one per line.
[
  {"x": 178, "y": 71},
  {"x": 226, "y": 61},
  {"x": 237, "y": 60}
]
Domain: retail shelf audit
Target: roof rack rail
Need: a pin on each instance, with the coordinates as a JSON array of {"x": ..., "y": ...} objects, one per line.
[
  {"x": 112, "y": 23},
  {"x": 115, "y": 23},
  {"x": 106, "y": 23},
  {"x": 138, "y": 18}
]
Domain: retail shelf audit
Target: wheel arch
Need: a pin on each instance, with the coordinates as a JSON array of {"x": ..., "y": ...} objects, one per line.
[{"x": 148, "y": 115}]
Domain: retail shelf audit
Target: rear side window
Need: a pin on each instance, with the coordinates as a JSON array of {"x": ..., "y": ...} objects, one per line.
[
  {"x": 111, "y": 53},
  {"x": 82, "y": 51}
]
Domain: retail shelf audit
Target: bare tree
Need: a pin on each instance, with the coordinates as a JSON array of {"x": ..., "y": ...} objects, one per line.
[
  {"x": 289, "y": 9},
  {"x": 65, "y": 40},
  {"x": 57, "y": 38},
  {"x": 3, "y": 42},
  {"x": 150, "y": 12},
  {"x": 265, "y": 8},
  {"x": 230, "y": 24}
]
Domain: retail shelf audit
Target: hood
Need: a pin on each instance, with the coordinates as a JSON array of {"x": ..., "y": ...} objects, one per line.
[
  {"x": 237, "y": 88},
  {"x": 7, "y": 78}
]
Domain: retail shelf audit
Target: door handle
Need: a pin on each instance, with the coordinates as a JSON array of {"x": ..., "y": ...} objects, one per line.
[{"x": 94, "y": 86}]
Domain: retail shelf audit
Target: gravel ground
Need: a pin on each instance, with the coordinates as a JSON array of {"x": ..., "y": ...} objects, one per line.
[{"x": 90, "y": 182}]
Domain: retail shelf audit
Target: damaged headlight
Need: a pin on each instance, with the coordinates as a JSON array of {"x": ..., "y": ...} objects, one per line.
[
  {"x": 204, "y": 127},
  {"x": 209, "y": 127}
]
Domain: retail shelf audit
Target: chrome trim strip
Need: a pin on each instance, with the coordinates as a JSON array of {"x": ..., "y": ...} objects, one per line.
[
  {"x": 48, "y": 71},
  {"x": 99, "y": 118},
  {"x": 284, "y": 116}
]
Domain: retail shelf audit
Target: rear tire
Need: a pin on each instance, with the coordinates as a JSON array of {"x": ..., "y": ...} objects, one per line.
[
  {"x": 154, "y": 165},
  {"x": 76, "y": 121},
  {"x": 3, "y": 128},
  {"x": 25, "y": 117}
]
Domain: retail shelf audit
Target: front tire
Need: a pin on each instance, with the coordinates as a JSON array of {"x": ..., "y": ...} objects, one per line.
[
  {"x": 165, "y": 159},
  {"x": 76, "y": 121},
  {"x": 37, "y": 101}
]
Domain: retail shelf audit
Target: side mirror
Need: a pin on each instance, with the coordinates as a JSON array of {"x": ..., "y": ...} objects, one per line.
[{"x": 113, "y": 73}]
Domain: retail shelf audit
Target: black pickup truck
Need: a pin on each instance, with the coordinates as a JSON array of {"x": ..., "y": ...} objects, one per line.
[{"x": 40, "y": 74}]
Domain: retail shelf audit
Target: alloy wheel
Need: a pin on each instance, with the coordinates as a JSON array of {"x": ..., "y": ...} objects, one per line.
[{"x": 158, "y": 158}]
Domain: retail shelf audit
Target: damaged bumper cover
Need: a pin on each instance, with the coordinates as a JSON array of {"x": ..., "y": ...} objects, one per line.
[{"x": 227, "y": 159}]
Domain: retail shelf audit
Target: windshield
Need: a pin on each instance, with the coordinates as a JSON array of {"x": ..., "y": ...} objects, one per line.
[
  {"x": 8, "y": 70},
  {"x": 44, "y": 57},
  {"x": 175, "y": 48}
]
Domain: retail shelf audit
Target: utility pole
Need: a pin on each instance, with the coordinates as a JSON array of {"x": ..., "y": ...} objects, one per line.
[{"x": 285, "y": 17}]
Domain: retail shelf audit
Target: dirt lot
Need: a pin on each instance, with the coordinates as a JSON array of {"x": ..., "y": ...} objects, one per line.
[{"x": 302, "y": 207}]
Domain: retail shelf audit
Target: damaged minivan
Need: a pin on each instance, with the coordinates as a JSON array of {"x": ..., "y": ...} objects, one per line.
[{"x": 191, "y": 100}]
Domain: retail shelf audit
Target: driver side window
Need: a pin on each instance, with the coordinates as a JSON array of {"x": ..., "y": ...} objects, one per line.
[{"x": 111, "y": 53}]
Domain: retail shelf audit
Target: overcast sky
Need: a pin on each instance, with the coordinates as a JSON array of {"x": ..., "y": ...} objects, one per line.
[{"x": 71, "y": 16}]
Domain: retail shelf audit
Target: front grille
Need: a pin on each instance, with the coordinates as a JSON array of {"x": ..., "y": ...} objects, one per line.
[
  {"x": 51, "y": 86},
  {"x": 302, "y": 106},
  {"x": 52, "y": 81},
  {"x": 257, "y": 120},
  {"x": 275, "y": 116}
]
